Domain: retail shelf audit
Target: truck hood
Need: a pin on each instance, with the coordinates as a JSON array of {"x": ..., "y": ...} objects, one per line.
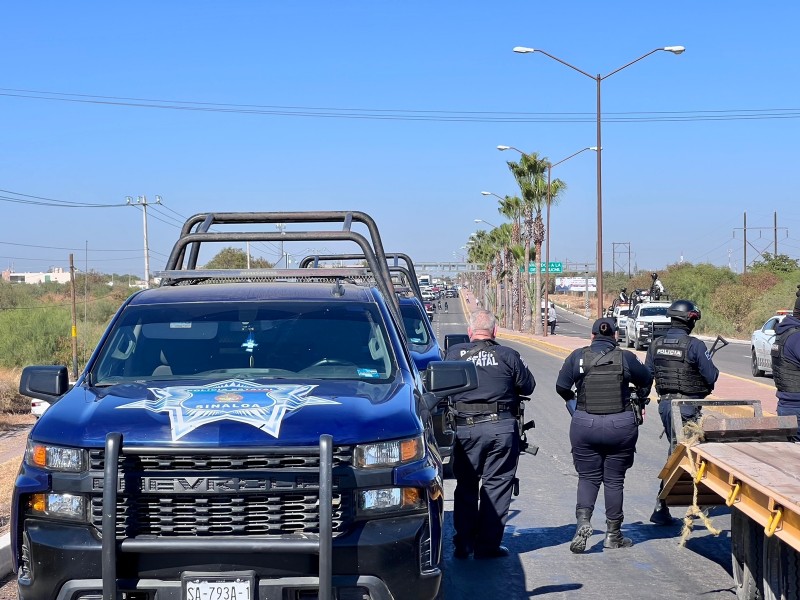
[
  {"x": 654, "y": 319},
  {"x": 231, "y": 413}
]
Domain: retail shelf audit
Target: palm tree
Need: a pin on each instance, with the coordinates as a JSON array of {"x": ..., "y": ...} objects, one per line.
[
  {"x": 530, "y": 174},
  {"x": 511, "y": 208},
  {"x": 482, "y": 252},
  {"x": 501, "y": 238},
  {"x": 490, "y": 250}
]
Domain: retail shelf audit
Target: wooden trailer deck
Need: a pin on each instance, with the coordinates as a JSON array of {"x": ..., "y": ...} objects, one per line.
[{"x": 762, "y": 479}]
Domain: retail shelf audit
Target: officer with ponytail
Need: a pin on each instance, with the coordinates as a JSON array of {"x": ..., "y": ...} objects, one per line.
[{"x": 604, "y": 430}]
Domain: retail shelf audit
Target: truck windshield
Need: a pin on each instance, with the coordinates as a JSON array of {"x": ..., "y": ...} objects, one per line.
[
  {"x": 246, "y": 339},
  {"x": 413, "y": 321},
  {"x": 655, "y": 311}
]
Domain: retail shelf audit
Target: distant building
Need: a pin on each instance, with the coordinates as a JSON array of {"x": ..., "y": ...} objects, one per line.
[{"x": 56, "y": 274}]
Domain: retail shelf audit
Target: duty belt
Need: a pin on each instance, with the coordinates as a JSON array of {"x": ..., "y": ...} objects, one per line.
[
  {"x": 676, "y": 396},
  {"x": 492, "y": 418}
]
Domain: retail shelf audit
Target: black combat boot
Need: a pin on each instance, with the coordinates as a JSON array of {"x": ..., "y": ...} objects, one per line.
[
  {"x": 583, "y": 531},
  {"x": 614, "y": 538},
  {"x": 661, "y": 514}
]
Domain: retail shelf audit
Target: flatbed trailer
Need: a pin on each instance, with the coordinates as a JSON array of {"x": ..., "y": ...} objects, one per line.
[{"x": 756, "y": 474}]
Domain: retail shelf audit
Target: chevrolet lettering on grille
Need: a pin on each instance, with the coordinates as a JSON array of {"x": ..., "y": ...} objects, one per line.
[{"x": 206, "y": 485}]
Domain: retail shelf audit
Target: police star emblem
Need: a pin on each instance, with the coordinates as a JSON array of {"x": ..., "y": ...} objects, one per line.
[{"x": 259, "y": 405}]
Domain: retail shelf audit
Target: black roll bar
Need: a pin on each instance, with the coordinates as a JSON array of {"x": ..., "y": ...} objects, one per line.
[
  {"x": 408, "y": 273},
  {"x": 287, "y": 544}
]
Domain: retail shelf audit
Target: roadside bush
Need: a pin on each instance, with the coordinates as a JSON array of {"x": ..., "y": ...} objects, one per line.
[
  {"x": 760, "y": 281},
  {"x": 40, "y": 336},
  {"x": 732, "y": 304},
  {"x": 696, "y": 282}
]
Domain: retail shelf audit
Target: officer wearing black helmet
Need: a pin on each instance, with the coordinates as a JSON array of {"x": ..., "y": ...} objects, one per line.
[
  {"x": 682, "y": 369},
  {"x": 604, "y": 431},
  {"x": 786, "y": 363}
]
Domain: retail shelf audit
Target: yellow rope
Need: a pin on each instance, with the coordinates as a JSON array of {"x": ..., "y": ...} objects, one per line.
[{"x": 693, "y": 434}]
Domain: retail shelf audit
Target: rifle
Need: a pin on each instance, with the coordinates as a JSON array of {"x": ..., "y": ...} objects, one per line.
[
  {"x": 525, "y": 447},
  {"x": 722, "y": 343}
]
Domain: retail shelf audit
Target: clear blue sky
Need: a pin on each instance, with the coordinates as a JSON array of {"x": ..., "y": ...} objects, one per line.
[{"x": 448, "y": 88}]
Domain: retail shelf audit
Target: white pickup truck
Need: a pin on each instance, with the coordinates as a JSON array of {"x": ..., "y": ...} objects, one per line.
[
  {"x": 620, "y": 315},
  {"x": 647, "y": 321}
]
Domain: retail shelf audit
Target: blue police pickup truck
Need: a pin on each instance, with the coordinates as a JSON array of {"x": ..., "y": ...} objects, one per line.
[{"x": 240, "y": 435}]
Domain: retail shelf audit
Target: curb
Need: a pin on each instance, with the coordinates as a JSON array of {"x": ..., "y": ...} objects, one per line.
[
  {"x": 533, "y": 341},
  {"x": 6, "y": 562}
]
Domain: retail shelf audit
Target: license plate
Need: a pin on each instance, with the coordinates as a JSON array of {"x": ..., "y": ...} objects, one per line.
[{"x": 218, "y": 589}]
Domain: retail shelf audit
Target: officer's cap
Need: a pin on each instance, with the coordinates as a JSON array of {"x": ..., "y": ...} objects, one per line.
[{"x": 604, "y": 326}]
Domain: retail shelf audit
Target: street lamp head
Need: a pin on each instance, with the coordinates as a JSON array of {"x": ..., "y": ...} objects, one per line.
[
  {"x": 479, "y": 220},
  {"x": 501, "y": 148},
  {"x": 523, "y": 50},
  {"x": 675, "y": 49},
  {"x": 486, "y": 193}
]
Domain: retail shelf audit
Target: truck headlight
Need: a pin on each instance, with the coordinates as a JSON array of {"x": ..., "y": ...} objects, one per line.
[
  {"x": 389, "y": 499},
  {"x": 55, "y": 458},
  {"x": 389, "y": 454},
  {"x": 64, "y": 506}
]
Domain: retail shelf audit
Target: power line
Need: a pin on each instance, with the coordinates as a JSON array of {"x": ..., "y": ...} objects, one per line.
[
  {"x": 408, "y": 114},
  {"x": 59, "y": 204},
  {"x": 82, "y": 249}
]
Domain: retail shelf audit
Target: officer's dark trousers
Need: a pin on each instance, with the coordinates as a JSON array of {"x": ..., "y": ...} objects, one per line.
[
  {"x": 602, "y": 451},
  {"x": 788, "y": 408},
  {"x": 688, "y": 413},
  {"x": 484, "y": 454}
]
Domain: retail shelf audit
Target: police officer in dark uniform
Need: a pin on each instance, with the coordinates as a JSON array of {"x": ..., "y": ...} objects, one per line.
[
  {"x": 487, "y": 439},
  {"x": 682, "y": 369},
  {"x": 786, "y": 363},
  {"x": 604, "y": 430}
]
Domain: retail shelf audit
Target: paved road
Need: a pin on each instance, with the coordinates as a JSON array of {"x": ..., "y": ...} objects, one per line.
[{"x": 541, "y": 522}]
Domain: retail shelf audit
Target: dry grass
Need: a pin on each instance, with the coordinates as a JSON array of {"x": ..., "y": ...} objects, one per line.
[
  {"x": 8, "y": 473},
  {"x": 11, "y": 401}
]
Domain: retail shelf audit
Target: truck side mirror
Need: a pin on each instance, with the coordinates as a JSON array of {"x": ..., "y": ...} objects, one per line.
[
  {"x": 446, "y": 378},
  {"x": 46, "y": 382},
  {"x": 451, "y": 339}
]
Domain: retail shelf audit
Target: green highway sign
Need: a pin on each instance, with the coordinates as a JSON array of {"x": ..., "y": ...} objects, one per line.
[{"x": 555, "y": 267}]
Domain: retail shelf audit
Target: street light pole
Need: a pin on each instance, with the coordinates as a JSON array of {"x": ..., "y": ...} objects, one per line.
[
  {"x": 547, "y": 231},
  {"x": 598, "y": 80}
]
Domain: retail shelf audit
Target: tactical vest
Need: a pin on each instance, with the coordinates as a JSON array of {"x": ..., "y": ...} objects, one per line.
[
  {"x": 785, "y": 373},
  {"x": 601, "y": 392},
  {"x": 674, "y": 374}
]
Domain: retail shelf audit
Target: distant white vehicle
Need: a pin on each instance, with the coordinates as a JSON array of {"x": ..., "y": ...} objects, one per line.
[
  {"x": 648, "y": 321},
  {"x": 761, "y": 342},
  {"x": 620, "y": 316},
  {"x": 38, "y": 407}
]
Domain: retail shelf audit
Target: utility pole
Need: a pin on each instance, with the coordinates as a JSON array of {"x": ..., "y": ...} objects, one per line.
[
  {"x": 760, "y": 251},
  {"x": 775, "y": 230},
  {"x": 281, "y": 227},
  {"x": 142, "y": 201},
  {"x": 744, "y": 263},
  {"x": 74, "y": 332},
  {"x": 616, "y": 263}
]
